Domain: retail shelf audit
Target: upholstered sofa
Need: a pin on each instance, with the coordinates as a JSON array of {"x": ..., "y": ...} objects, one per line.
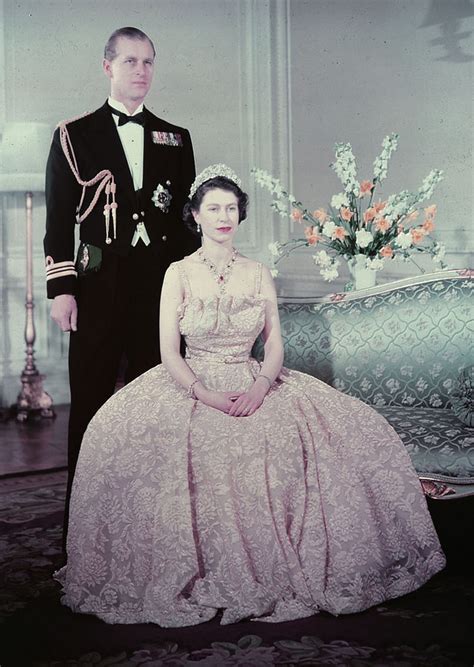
[{"x": 401, "y": 347}]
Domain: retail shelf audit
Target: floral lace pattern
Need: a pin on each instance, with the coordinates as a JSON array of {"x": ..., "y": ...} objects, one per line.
[{"x": 179, "y": 510}]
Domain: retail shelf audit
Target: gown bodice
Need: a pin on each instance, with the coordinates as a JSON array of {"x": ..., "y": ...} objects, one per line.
[{"x": 221, "y": 328}]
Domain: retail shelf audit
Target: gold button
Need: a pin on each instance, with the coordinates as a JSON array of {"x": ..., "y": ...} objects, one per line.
[
  {"x": 163, "y": 238},
  {"x": 135, "y": 216}
]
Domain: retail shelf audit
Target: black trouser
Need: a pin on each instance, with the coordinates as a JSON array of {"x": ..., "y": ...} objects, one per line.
[{"x": 118, "y": 311}]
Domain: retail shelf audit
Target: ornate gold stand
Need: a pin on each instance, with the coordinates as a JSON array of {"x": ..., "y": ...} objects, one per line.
[{"x": 32, "y": 399}]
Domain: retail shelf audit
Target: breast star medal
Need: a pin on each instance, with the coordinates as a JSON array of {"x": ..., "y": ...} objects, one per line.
[{"x": 162, "y": 197}]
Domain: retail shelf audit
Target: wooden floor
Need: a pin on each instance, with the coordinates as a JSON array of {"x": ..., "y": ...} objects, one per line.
[{"x": 35, "y": 445}]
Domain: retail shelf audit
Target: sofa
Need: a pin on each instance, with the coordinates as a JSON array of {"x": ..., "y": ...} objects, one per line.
[{"x": 405, "y": 348}]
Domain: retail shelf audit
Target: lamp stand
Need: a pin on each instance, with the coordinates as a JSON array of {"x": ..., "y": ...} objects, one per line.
[{"x": 32, "y": 399}]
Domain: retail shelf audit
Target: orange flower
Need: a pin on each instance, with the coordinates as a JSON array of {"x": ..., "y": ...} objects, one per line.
[
  {"x": 412, "y": 216},
  {"x": 428, "y": 225},
  {"x": 346, "y": 213},
  {"x": 320, "y": 215},
  {"x": 379, "y": 206},
  {"x": 417, "y": 234},
  {"x": 382, "y": 224},
  {"x": 366, "y": 188},
  {"x": 430, "y": 211},
  {"x": 386, "y": 251},
  {"x": 369, "y": 215},
  {"x": 311, "y": 235},
  {"x": 339, "y": 233},
  {"x": 297, "y": 215}
]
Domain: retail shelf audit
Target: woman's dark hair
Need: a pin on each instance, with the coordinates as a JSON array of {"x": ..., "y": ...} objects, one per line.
[{"x": 222, "y": 183}]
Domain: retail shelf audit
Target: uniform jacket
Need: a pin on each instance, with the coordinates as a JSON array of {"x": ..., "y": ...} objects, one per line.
[{"x": 168, "y": 162}]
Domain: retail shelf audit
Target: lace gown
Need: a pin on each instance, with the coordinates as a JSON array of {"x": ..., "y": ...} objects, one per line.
[{"x": 179, "y": 510}]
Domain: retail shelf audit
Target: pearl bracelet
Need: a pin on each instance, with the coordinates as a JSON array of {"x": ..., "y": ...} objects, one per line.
[
  {"x": 261, "y": 375},
  {"x": 190, "y": 391}
]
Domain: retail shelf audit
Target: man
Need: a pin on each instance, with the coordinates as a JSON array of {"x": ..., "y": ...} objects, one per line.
[{"x": 124, "y": 175}]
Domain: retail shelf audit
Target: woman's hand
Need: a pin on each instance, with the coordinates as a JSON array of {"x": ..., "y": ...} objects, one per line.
[
  {"x": 249, "y": 401},
  {"x": 221, "y": 400}
]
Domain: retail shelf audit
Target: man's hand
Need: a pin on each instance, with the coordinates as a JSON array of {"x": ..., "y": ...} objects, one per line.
[{"x": 64, "y": 312}]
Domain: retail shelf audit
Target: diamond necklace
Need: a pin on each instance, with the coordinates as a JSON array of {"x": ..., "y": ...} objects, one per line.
[{"x": 221, "y": 277}]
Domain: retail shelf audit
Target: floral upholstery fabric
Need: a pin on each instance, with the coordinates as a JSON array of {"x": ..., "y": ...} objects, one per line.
[
  {"x": 462, "y": 397},
  {"x": 403, "y": 347},
  {"x": 438, "y": 443},
  {"x": 400, "y": 350}
]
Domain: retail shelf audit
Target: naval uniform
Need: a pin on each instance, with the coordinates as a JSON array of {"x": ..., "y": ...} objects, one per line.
[{"x": 118, "y": 274}]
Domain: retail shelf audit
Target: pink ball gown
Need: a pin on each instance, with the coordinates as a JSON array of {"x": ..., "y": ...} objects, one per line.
[{"x": 179, "y": 510}]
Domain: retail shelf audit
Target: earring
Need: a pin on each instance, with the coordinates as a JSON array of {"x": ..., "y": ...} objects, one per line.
[{"x": 198, "y": 228}]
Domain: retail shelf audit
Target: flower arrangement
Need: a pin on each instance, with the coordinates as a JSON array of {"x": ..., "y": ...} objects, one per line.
[{"x": 355, "y": 226}]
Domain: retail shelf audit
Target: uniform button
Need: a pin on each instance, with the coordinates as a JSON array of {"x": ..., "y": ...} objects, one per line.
[
  {"x": 164, "y": 237},
  {"x": 142, "y": 213},
  {"x": 135, "y": 216}
]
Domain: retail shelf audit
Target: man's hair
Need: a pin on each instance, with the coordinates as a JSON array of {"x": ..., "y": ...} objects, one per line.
[{"x": 128, "y": 32}]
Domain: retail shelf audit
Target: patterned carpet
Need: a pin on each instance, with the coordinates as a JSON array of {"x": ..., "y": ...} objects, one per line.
[{"x": 431, "y": 627}]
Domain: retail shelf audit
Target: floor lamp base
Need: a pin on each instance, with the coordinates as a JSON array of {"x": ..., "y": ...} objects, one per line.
[{"x": 33, "y": 402}]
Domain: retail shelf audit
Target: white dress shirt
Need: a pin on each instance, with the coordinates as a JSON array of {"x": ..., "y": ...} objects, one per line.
[{"x": 132, "y": 138}]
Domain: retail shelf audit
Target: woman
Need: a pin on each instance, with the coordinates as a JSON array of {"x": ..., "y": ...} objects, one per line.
[{"x": 216, "y": 483}]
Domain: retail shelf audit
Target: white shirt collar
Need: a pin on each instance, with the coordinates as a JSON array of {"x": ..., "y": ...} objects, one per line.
[{"x": 121, "y": 107}]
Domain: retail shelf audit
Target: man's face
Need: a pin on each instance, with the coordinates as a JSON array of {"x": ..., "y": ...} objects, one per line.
[{"x": 131, "y": 71}]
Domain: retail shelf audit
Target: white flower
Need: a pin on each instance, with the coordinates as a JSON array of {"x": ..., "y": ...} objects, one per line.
[
  {"x": 340, "y": 200},
  {"x": 399, "y": 205},
  {"x": 363, "y": 238},
  {"x": 439, "y": 253},
  {"x": 275, "y": 249},
  {"x": 277, "y": 189},
  {"x": 322, "y": 259},
  {"x": 429, "y": 184},
  {"x": 389, "y": 145},
  {"x": 263, "y": 178},
  {"x": 266, "y": 180},
  {"x": 345, "y": 167},
  {"x": 280, "y": 208},
  {"x": 404, "y": 240},
  {"x": 375, "y": 263},
  {"x": 330, "y": 273},
  {"x": 292, "y": 199},
  {"x": 329, "y": 228}
]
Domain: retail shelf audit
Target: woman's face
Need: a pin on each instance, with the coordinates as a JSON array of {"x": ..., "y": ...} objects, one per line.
[{"x": 218, "y": 215}]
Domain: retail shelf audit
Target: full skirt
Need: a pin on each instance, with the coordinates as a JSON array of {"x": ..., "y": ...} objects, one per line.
[{"x": 179, "y": 511}]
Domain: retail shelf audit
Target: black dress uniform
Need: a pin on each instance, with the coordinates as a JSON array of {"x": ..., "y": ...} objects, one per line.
[{"x": 117, "y": 286}]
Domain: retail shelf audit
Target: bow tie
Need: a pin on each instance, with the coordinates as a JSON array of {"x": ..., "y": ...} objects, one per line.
[{"x": 139, "y": 118}]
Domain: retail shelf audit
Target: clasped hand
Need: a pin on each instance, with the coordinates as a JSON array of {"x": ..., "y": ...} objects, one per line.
[{"x": 235, "y": 403}]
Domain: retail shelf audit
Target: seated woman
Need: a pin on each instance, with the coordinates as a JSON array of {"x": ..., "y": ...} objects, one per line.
[{"x": 216, "y": 484}]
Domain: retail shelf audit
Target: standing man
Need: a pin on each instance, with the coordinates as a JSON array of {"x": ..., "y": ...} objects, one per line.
[{"x": 123, "y": 174}]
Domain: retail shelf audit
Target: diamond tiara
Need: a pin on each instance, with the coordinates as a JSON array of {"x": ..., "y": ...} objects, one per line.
[{"x": 211, "y": 172}]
